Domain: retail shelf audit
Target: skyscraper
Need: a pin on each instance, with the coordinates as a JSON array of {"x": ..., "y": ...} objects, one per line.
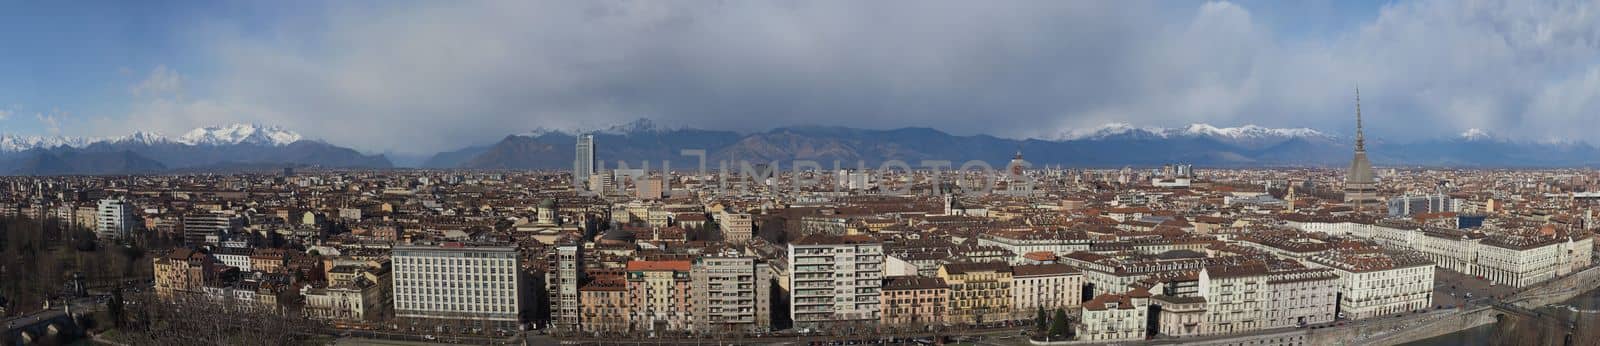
[
  {"x": 1360, "y": 189},
  {"x": 583, "y": 164}
]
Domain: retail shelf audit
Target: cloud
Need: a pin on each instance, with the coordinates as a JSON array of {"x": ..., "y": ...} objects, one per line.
[
  {"x": 52, "y": 120},
  {"x": 434, "y": 76},
  {"x": 161, "y": 81},
  {"x": 5, "y": 113}
]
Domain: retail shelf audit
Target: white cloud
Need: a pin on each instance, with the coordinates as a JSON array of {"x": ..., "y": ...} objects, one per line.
[
  {"x": 161, "y": 81},
  {"x": 439, "y": 75},
  {"x": 5, "y": 113},
  {"x": 52, "y": 120}
]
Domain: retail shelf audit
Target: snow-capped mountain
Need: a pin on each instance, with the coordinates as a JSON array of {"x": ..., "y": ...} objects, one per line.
[
  {"x": 1246, "y": 132},
  {"x": 15, "y": 143},
  {"x": 1250, "y": 131},
  {"x": 641, "y": 125},
  {"x": 1110, "y": 130},
  {"x": 1476, "y": 134},
  {"x": 637, "y": 126},
  {"x": 240, "y": 134},
  {"x": 140, "y": 137},
  {"x": 213, "y": 136},
  {"x": 236, "y": 146}
]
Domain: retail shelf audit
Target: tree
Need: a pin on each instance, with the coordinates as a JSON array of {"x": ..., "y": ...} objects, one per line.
[
  {"x": 114, "y": 306},
  {"x": 1058, "y": 325},
  {"x": 1041, "y": 321}
]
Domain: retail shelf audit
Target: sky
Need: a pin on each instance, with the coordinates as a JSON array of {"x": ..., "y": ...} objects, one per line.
[{"x": 426, "y": 76}]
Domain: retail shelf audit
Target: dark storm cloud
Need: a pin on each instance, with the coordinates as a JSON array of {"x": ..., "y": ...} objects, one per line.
[{"x": 438, "y": 75}]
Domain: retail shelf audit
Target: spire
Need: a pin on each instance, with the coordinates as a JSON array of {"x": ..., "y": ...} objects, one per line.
[{"x": 1361, "y": 139}]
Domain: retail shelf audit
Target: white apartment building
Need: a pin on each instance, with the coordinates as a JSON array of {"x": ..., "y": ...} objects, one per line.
[
  {"x": 114, "y": 219},
  {"x": 731, "y": 293},
  {"x": 1501, "y": 258},
  {"x": 1049, "y": 286},
  {"x": 1021, "y": 243},
  {"x": 1115, "y": 317},
  {"x": 835, "y": 280},
  {"x": 454, "y": 283},
  {"x": 1376, "y": 284}
]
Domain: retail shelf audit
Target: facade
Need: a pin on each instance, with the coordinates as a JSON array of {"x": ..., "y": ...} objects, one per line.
[
  {"x": 562, "y": 284},
  {"x": 731, "y": 293},
  {"x": 1504, "y": 259},
  {"x": 979, "y": 292},
  {"x": 584, "y": 162},
  {"x": 1115, "y": 317},
  {"x": 835, "y": 280},
  {"x": 1048, "y": 286},
  {"x": 234, "y": 257},
  {"x": 357, "y": 300},
  {"x": 914, "y": 302},
  {"x": 114, "y": 219},
  {"x": 474, "y": 285},
  {"x": 605, "y": 306},
  {"x": 198, "y": 227},
  {"x": 1410, "y": 205},
  {"x": 1374, "y": 284},
  {"x": 737, "y": 228},
  {"x": 183, "y": 270},
  {"x": 659, "y": 296}
]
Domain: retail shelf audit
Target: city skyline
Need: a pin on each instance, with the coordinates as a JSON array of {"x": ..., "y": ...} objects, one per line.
[{"x": 1433, "y": 69}]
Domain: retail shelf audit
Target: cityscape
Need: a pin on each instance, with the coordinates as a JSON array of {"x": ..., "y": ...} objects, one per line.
[{"x": 807, "y": 173}]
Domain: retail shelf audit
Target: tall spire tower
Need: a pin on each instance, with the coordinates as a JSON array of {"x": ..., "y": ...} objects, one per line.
[
  {"x": 1360, "y": 189},
  {"x": 1361, "y": 139}
]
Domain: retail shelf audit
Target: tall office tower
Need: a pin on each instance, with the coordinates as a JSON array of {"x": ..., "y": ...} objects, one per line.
[
  {"x": 1360, "y": 189},
  {"x": 835, "y": 280},
  {"x": 114, "y": 219},
  {"x": 583, "y": 164},
  {"x": 455, "y": 285}
]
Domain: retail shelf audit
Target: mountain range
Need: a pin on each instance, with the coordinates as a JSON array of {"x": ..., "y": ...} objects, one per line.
[
  {"x": 254, "y": 147},
  {"x": 220, "y": 148}
]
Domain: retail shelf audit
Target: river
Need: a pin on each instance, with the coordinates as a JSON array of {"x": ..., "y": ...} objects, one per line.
[{"x": 1578, "y": 317}]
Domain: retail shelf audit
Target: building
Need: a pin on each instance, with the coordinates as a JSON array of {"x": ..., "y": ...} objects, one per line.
[
  {"x": 1115, "y": 317},
  {"x": 650, "y": 188},
  {"x": 114, "y": 219},
  {"x": 1360, "y": 185},
  {"x": 473, "y": 287},
  {"x": 184, "y": 270},
  {"x": 913, "y": 303},
  {"x": 731, "y": 293},
  {"x": 737, "y": 228},
  {"x": 658, "y": 294},
  {"x": 583, "y": 165},
  {"x": 562, "y": 285},
  {"x": 1048, "y": 286},
  {"x": 1379, "y": 283},
  {"x": 234, "y": 257},
  {"x": 1409, "y": 205},
  {"x": 605, "y": 305},
  {"x": 979, "y": 292},
  {"x": 198, "y": 227},
  {"x": 835, "y": 280},
  {"x": 357, "y": 299}
]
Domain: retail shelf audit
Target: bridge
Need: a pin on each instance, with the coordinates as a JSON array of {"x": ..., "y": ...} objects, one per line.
[{"x": 36, "y": 327}]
